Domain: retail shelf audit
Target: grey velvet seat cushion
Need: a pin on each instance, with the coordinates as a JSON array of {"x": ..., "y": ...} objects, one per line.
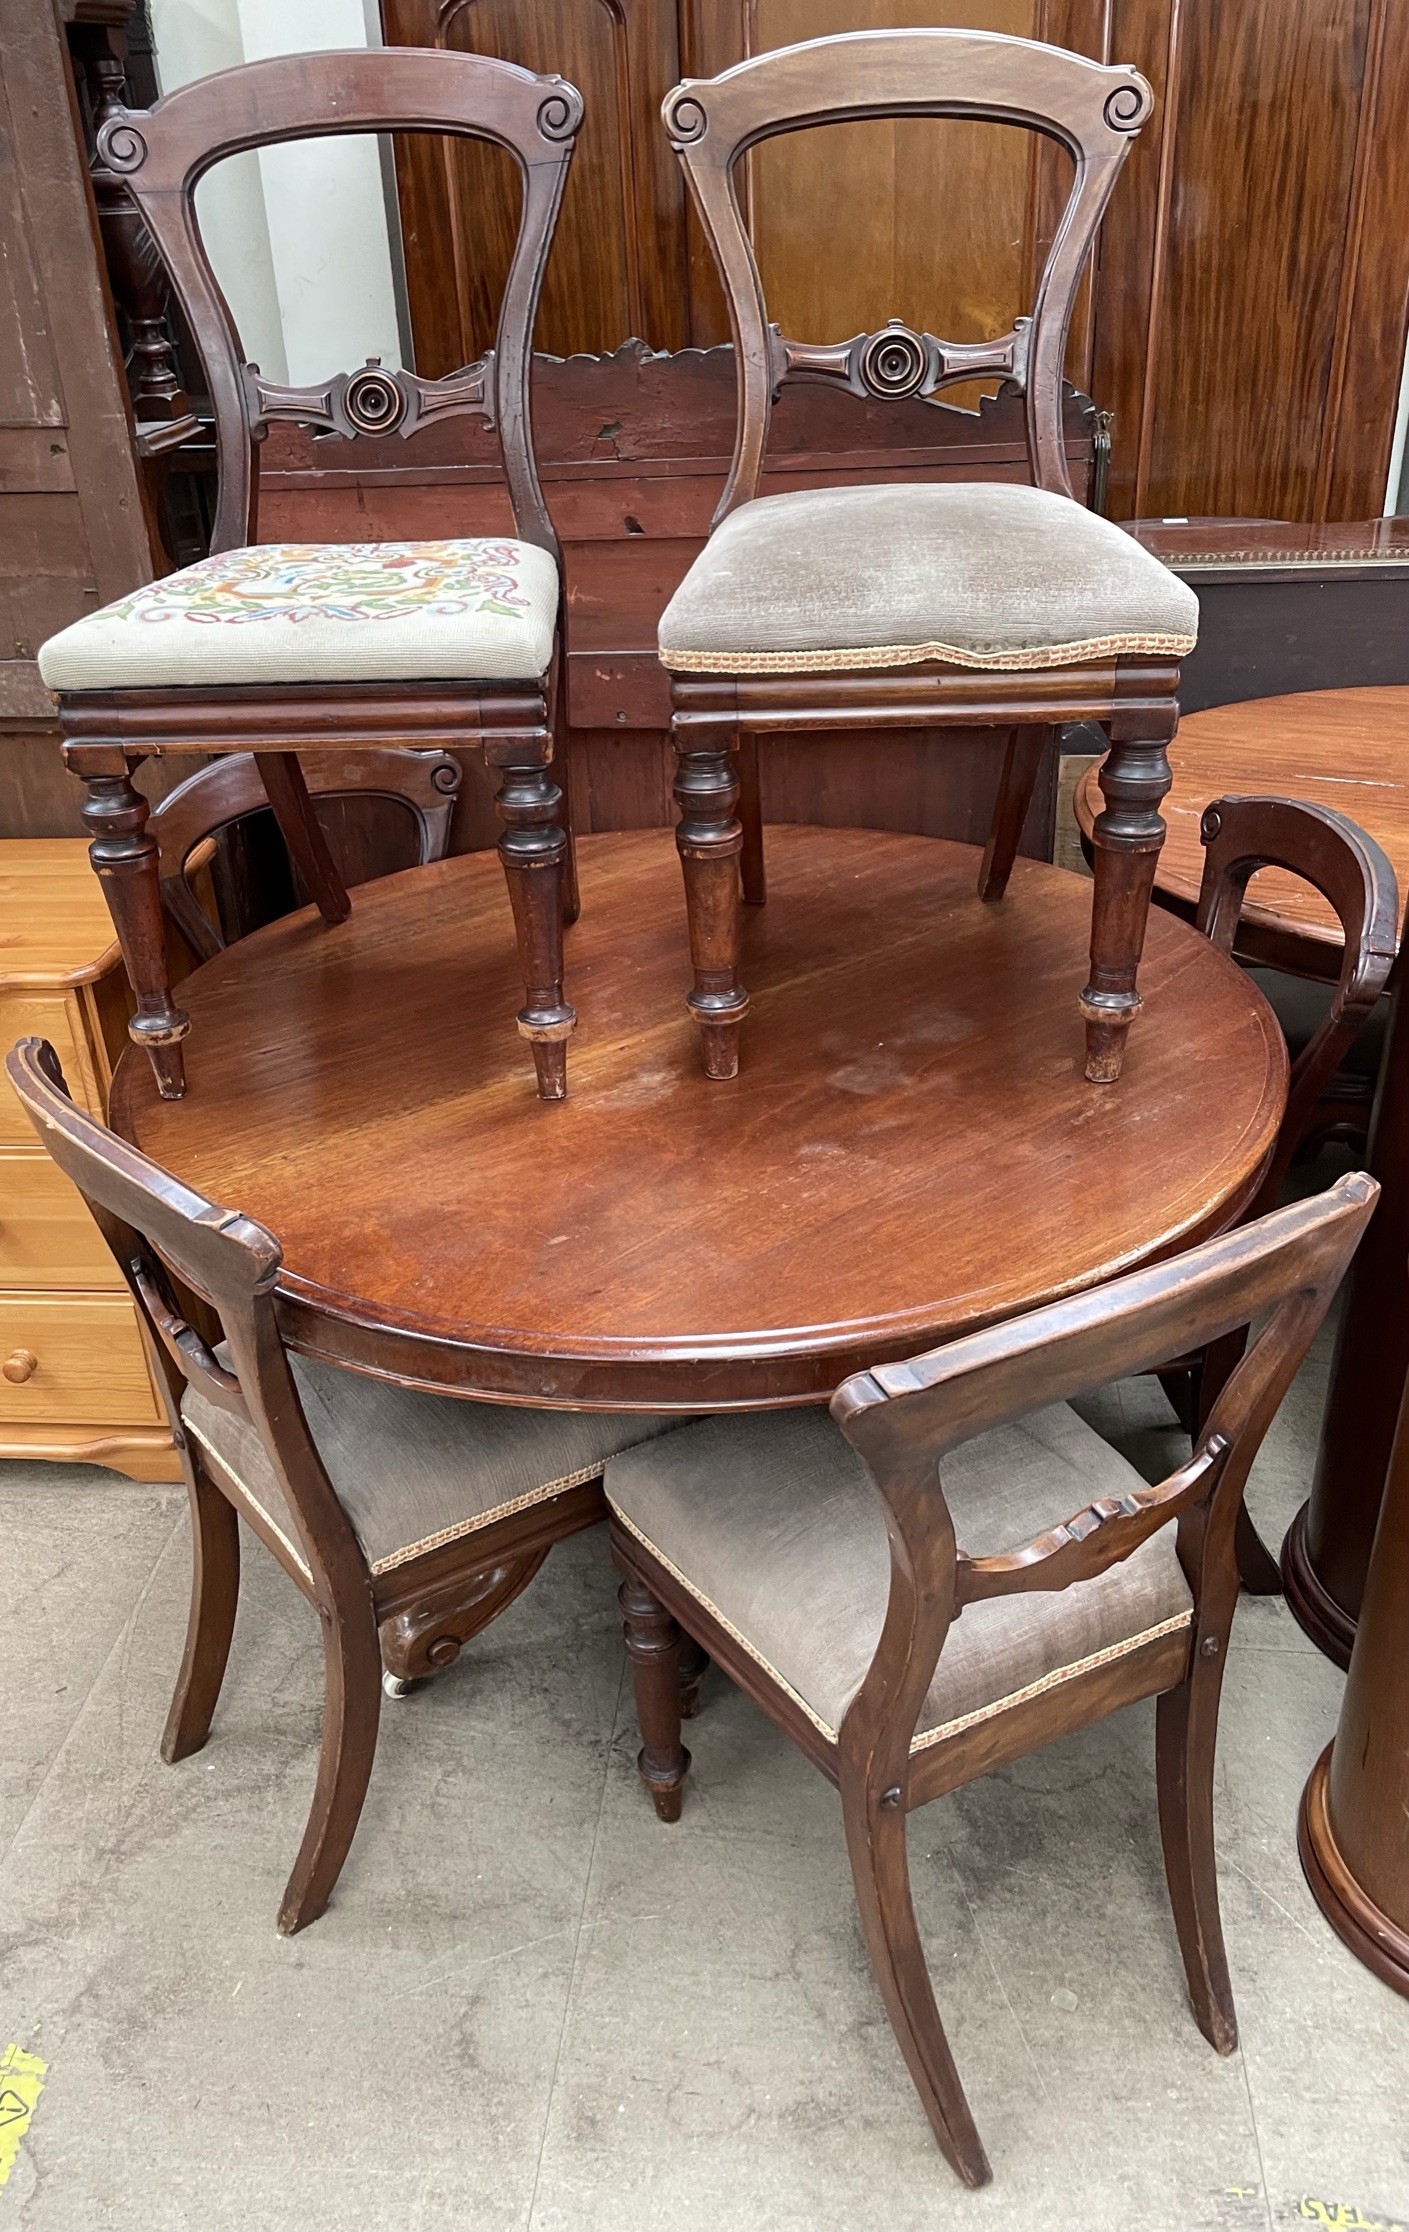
[
  {"x": 979, "y": 574},
  {"x": 414, "y": 1470},
  {"x": 772, "y": 1522}
]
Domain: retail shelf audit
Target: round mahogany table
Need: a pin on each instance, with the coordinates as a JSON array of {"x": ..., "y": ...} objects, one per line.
[
  {"x": 1345, "y": 1561},
  {"x": 1343, "y": 748},
  {"x": 909, "y": 1152}
]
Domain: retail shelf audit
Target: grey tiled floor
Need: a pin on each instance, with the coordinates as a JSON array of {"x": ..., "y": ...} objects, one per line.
[{"x": 531, "y": 2004}]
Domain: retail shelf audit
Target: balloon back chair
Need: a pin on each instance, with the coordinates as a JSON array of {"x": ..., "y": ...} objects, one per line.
[
  {"x": 408, "y": 1520},
  {"x": 916, "y": 605},
  {"x": 953, "y": 1570},
  {"x": 283, "y": 649}
]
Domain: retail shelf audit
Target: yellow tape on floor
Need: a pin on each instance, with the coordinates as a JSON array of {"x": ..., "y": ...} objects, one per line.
[{"x": 22, "y": 2078}]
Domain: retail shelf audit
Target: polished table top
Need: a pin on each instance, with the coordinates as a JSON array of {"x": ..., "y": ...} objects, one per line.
[
  {"x": 1343, "y": 748},
  {"x": 910, "y": 1150}
]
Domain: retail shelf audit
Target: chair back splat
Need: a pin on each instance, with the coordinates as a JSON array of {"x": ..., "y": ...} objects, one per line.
[
  {"x": 1090, "y": 109},
  {"x": 903, "y": 1418},
  {"x": 161, "y": 154}
]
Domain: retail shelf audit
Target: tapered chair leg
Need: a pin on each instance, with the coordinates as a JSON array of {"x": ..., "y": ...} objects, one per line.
[
  {"x": 1021, "y": 762},
  {"x": 126, "y": 859},
  {"x": 880, "y": 1870},
  {"x": 352, "y": 1666},
  {"x": 1126, "y": 840},
  {"x": 215, "y": 1591},
  {"x": 287, "y": 792},
  {"x": 533, "y": 849},
  {"x": 709, "y": 840},
  {"x": 1186, "y": 1725},
  {"x": 653, "y": 1647}
]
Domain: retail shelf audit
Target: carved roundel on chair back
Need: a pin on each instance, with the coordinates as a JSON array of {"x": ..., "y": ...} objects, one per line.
[
  {"x": 894, "y": 362},
  {"x": 374, "y": 402}
]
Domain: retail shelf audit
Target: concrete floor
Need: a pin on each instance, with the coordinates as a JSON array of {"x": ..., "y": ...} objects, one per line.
[{"x": 531, "y": 2004}]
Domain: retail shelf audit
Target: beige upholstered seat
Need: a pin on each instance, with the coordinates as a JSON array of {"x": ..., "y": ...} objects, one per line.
[
  {"x": 770, "y": 1520},
  {"x": 978, "y": 574},
  {"x": 334, "y": 612},
  {"x": 413, "y": 1470}
]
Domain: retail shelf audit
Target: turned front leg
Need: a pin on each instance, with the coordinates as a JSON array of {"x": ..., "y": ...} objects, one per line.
[
  {"x": 709, "y": 838},
  {"x": 126, "y": 860},
  {"x": 1126, "y": 841},
  {"x": 653, "y": 1647},
  {"x": 533, "y": 849}
]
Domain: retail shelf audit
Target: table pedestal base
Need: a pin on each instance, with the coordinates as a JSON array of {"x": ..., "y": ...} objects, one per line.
[
  {"x": 1372, "y": 1937},
  {"x": 1328, "y": 1624}
]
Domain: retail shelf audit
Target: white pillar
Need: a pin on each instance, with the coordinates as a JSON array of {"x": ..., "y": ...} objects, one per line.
[
  {"x": 298, "y": 234},
  {"x": 192, "y": 38},
  {"x": 326, "y": 211}
]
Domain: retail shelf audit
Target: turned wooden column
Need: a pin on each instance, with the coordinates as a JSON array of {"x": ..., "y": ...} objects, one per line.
[
  {"x": 1126, "y": 841},
  {"x": 126, "y": 859},
  {"x": 653, "y": 1646},
  {"x": 709, "y": 838},
  {"x": 1326, "y": 1553},
  {"x": 534, "y": 852},
  {"x": 1353, "y": 1830}
]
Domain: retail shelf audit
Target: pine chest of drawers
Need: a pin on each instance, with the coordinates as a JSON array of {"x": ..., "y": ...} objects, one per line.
[{"x": 74, "y": 1379}]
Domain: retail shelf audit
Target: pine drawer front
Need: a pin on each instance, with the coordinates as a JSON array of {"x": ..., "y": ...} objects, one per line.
[
  {"x": 78, "y": 1361},
  {"x": 47, "y": 1235},
  {"x": 54, "y": 1016}
]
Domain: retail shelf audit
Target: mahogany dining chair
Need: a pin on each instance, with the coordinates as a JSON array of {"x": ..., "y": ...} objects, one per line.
[
  {"x": 291, "y": 649},
  {"x": 409, "y": 1520},
  {"x": 824, "y": 1561},
  {"x": 1354, "y": 875},
  {"x": 916, "y": 605}
]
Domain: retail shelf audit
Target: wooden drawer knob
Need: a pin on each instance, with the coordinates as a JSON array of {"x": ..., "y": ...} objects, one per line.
[{"x": 21, "y": 1366}]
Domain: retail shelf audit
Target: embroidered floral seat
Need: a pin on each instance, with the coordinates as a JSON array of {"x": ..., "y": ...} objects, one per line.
[{"x": 335, "y": 612}]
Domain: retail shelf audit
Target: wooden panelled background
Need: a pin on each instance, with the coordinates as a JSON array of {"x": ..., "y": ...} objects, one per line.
[
  {"x": 73, "y": 533},
  {"x": 1247, "y": 322}
]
